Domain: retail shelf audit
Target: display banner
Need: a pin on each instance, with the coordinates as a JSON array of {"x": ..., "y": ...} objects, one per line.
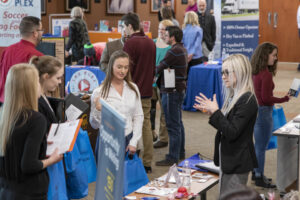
[
  {"x": 11, "y": 14},
  {"x": 217, "y": 15},
  {"x": 111, "y": 153},
  {"x": 82, "y": 78},
  {"x": 239, "y": 26},
  {"x": 60, "y": 27}
]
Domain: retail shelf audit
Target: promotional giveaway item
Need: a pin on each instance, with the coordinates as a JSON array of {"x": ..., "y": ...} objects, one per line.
[
  {"x": 134, "y": 174},
  {"x": 57, "y": 182},
  {"x": 77, "y": 178},
  {"x": 278, "y": 121}
]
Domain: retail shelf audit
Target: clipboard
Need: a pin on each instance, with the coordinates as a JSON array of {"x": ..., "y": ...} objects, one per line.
[
  {"x": 74, "y": 107},
  {"x": 63, "y": 136}
]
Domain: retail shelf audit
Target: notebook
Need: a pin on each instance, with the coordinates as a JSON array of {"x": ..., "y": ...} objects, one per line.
[{"x": 209, "y": 166}]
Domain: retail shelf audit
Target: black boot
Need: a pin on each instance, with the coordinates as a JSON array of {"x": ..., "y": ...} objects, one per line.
[{"x": 263, "y": 182}]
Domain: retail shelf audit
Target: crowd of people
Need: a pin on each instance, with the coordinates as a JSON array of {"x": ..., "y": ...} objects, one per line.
[{"x": 136, "y": 70}]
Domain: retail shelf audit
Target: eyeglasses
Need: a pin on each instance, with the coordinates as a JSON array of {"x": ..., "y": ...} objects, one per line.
[{"x": 226, "y": 72}]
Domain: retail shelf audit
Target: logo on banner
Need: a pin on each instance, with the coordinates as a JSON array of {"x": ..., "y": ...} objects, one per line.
[
  {"x": 83, "y": 80},
  {"x": 6, "y": 3}
]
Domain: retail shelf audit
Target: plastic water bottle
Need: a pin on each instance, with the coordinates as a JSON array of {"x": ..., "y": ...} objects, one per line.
[
  {"x": 186, "y": 175},
  {"x": 224, "y": 54},
  {"x": 211, "y": 56}
]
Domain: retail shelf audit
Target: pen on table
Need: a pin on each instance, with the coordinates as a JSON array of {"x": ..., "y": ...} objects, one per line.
[{"x": 56, "y": 128}]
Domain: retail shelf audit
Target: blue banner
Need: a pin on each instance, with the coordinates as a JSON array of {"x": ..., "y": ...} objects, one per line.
[
  {"x": 111, "y": 153},
  {"x": 239, "y": 37},
  {"x": 83, "y": 78}
]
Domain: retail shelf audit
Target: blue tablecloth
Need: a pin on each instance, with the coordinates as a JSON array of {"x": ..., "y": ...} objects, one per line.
[
  {"x": 206, "y": 79},
  {"x": 83, "y": 78}
]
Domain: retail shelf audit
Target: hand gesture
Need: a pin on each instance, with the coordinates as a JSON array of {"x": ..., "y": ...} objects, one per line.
[
  {"x": 97, "y": 103},
  {"x": 206, "y": 104}
]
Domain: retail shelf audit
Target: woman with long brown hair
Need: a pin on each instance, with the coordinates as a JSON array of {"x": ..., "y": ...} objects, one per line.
[
  {"x": 264, "y": 68},
  {"x": 122, "y": 94}
]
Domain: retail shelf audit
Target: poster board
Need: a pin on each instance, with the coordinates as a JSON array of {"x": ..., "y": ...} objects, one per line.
[
  {"x": 59, "y": 47},
  {"x": 60, "y": 27},
  {"x": 12, "y": 13}
]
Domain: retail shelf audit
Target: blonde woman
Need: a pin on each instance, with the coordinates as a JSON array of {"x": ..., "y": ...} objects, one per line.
[
  {"x": 192, "y": 39},
  {"x": 78, "y": 35},
  {"x": 161, "y": 50},
  {"x": 234, "y": 148},
  {"x": 23, "y": 143}
]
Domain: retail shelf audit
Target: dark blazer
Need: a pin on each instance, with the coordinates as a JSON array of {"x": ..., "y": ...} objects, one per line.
[
  {"x": 109, "y": 49},
  {"x": 235, "y": 133},
  {"x": 208, "y": 24},
  {"x": 47, "y": 112}
]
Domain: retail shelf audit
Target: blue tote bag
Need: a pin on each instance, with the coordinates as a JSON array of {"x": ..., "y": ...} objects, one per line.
[
  {"x": 87, "y": 155},
  {"x": 57, "y": 182},
  {"x": 279, "y": 120},
  {"x": 134, "y": 174},
  {"x": 77, "y": 179}
]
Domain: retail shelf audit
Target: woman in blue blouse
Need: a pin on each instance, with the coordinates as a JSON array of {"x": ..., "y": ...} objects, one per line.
[{"x": 192, "y": 39}]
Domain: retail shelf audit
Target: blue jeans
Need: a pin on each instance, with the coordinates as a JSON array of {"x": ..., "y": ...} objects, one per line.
[
  {"x": 172, "y": 103},
  {"x": 262, "y": 134}
]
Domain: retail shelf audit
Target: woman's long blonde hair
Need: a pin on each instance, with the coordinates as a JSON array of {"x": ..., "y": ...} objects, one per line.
[
  {"x": 190, "y": 18},
  {"x": 238, "y": 65},
  {"x": 21, "y": 94}
]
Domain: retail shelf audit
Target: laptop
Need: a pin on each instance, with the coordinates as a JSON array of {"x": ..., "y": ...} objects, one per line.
[{"x": 209, "y": 166}]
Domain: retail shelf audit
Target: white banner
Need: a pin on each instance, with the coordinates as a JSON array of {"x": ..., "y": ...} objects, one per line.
[{"x": 11, "y": 14}]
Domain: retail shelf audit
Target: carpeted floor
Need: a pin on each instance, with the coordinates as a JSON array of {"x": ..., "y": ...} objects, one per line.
[{"x": 200, "y": 135}]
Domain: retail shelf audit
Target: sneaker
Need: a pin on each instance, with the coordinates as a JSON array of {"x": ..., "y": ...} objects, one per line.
[
  {"x": 148, "y": 169},
  {"x": 160, "y": 144},
  {"x": 262, "y": 182},
  {"x": 165, "y": 162}
]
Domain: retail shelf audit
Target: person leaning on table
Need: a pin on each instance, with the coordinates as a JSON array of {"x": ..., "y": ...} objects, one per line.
[
  {"x": 23, "y": 144},
  {"x": 234, "y": 148}
]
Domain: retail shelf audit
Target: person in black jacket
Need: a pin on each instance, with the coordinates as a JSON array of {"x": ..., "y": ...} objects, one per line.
[
  {"x": 78, "y": 35},
  {"x": 23, "y": 142},
  {"x": 208, "y": 24},
  {"x": 234, "y": 148}
]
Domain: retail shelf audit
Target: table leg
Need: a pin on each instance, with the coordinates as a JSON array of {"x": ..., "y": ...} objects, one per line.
[{"x": 203, "y": 196}]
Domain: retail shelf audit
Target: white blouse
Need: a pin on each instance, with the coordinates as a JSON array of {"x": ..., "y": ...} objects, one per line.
[{"x": 128, "y": 105}]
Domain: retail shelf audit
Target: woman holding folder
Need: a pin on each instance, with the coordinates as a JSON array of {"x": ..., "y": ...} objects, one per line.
[
  {"x": 121, "y": 93},
  {"x": 23, "y": 143},
  {"x": 50, "y": 72}
]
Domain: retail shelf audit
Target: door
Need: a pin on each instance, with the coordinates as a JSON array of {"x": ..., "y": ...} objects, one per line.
[{"x": 278, "y": 24}]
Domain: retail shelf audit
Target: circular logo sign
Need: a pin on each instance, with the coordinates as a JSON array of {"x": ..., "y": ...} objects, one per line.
[
  {"x": 83, "y": 80},
  {"x": 5, "y": 3}
]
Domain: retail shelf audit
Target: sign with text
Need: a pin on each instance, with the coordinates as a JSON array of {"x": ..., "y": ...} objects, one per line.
[
  {"x": 60, "y": 27},
  {"x": 111, "y": 153},
  {"x": 239, "y": 37},
  {"x": 11, "y": 14},
  {"x": 239, "y": 26}
]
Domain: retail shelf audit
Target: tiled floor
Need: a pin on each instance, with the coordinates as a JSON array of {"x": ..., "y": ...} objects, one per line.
[{"x": 200, "y": 135}]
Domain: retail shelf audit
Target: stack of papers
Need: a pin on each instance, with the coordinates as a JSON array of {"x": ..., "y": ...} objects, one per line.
[{"x": 156, "y": 191}]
